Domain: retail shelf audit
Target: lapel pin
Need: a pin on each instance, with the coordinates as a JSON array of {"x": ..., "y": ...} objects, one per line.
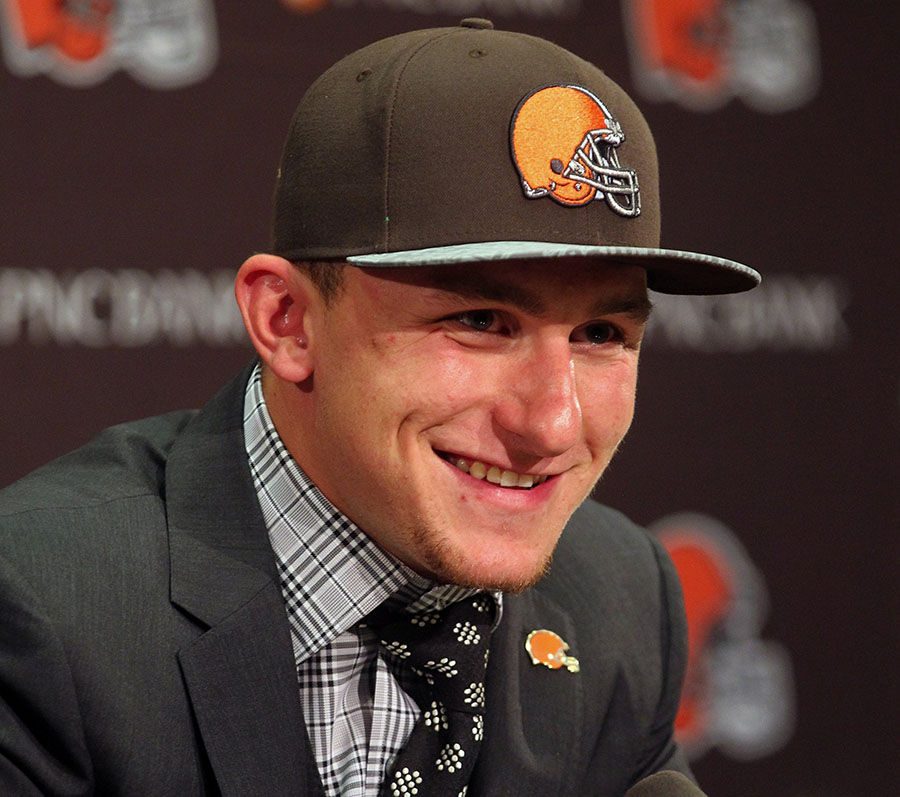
[{"x": 549, "y": 648}]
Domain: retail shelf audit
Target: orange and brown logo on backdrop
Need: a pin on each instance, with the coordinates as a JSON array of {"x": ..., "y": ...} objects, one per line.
[
  {"x": 701, "y": 53},
  {"x": 305, "y": 6},
  {"x": 564, "y": 144},
  {"x": 76, "y": 30},
  {"x": 162, "y": 43},
  {"x": 738, "y": 692}
]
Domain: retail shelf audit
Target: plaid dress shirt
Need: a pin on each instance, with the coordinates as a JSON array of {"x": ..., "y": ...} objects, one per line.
[{"x": 359, "y": 710}]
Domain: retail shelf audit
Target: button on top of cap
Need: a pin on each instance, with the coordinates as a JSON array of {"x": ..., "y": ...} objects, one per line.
[{"x": 477, "y": 22}]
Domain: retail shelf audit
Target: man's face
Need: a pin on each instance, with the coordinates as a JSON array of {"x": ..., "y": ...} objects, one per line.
[{"x": 430, "y": 384}]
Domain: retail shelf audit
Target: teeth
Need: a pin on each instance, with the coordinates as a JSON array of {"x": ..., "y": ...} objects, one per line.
[
  {"x": 461, "y": 464},
  {"x": 495, "y": 475}
]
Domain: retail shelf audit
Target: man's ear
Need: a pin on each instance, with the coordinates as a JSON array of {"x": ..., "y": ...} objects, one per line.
[{"x": 275, "y": 303}]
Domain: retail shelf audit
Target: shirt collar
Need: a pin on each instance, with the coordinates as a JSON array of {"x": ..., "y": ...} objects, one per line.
[{"x": 332, "y": 573}]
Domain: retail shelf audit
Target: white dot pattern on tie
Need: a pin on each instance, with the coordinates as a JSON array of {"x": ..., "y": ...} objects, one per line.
[
  {"x": 405, "y": 782},
  {"x": 447, "y": 649}
]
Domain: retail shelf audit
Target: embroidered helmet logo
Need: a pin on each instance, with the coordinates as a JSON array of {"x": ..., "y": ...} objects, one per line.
[{"x": 564, "y": 142}]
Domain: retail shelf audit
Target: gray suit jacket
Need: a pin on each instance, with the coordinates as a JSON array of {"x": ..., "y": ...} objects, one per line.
[{"x": 144, "y": 647}]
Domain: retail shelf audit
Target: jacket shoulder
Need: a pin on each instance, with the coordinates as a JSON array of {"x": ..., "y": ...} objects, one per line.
[
  {"x": 600, "y": 545},
  {"x": 124, "y": 461},
  {"x": 614, "y": 577},
  {"x": 621, "y": 590}
]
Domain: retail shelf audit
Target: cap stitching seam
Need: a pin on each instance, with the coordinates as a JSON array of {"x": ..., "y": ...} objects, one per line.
[{"x": 390, "y": 130}]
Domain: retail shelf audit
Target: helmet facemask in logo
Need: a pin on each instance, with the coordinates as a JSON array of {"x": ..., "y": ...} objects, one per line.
[{"x": 564, "y": 144}]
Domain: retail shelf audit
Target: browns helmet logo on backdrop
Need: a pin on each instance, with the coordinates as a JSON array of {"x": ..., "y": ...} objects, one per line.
[
  {"x": 161, "y": 43},
  {"x": 739, "y": 690},
  {"x": 564, "y": 142},
  {"x": 701, "y": 53}
]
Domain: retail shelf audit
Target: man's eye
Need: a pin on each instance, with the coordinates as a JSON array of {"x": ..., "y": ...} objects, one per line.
[
  {"x": 480, "y": 320},
  {"x": 597, "y": 333}
]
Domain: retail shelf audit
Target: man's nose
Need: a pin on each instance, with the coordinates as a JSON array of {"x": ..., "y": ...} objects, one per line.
[{"x": 539, "y": 403}]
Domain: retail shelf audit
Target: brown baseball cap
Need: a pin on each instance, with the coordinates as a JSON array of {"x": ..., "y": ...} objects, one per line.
[{"x": 468, "y": 145}]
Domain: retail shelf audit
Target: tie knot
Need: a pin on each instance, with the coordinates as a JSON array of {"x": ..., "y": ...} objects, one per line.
[{"x": 446, "y": 647}]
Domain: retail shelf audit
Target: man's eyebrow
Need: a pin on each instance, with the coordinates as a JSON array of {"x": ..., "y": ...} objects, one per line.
[
  {"x": 487, "y": 290},
  {"x": 636, "y": 307}
]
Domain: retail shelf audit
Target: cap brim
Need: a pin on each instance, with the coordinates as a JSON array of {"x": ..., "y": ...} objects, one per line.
[{"x": 668, "y": 270}]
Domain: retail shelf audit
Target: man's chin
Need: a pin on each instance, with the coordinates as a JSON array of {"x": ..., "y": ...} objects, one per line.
[
  {"x": 517, "y": 581},
  {"x": 488, "y": 570}
]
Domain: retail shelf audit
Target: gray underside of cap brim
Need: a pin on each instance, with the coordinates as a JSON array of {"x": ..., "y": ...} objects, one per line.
[{"x": 668, "y": 270}]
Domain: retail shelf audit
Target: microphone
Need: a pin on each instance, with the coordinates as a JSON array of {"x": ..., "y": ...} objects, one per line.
[{"x": 665, "y": 784}]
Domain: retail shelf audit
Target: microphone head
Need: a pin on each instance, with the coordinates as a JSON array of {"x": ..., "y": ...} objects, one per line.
[{"x": 665, "y": 784}]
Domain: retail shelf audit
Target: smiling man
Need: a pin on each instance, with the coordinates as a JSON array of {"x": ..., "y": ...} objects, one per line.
[
  {"x": 457, "y": 414},
  {"x": 370, "y": 565}
]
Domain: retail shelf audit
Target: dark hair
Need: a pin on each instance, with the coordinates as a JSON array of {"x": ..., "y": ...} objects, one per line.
[{"x": 326, "y": 275}]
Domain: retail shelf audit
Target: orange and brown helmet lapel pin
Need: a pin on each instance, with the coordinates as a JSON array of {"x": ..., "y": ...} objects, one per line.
[{"x": 549, "y": 648}]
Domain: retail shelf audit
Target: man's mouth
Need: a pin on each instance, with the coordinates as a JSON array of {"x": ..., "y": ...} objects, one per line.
[{"x": 493, "y": 473}]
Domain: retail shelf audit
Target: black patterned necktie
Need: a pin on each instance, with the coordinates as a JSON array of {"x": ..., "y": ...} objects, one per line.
[{"x": 448, "y": 649}]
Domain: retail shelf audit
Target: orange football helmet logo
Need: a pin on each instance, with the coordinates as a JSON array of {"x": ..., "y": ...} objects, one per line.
[
  {"x": 738, "y": 690},
  {"x": 564, "y": 142},
  {"x": 80, "y": 31}
]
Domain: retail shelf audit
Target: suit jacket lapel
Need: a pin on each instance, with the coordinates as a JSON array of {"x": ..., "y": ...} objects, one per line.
[
  {"x": 523, "y": 744},
  {"x": 240, "y": 673}
]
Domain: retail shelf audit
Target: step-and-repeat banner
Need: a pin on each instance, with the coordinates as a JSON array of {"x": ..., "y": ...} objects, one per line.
[{"x": 138, "y": 147}]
